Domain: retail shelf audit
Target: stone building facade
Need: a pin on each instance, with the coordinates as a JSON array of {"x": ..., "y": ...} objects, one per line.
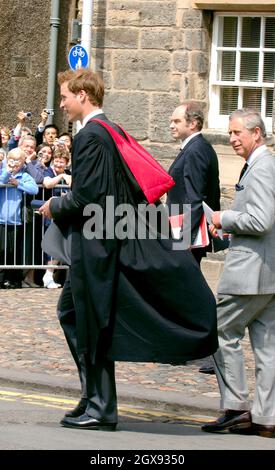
[
  {"x": 24, "y": 57},
  {"x": 151, "y": 54}
]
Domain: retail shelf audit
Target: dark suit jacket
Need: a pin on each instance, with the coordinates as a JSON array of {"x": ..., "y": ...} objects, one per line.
[{"x": 196, "y": 174}]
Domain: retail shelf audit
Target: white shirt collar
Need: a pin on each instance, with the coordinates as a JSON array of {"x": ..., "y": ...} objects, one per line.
[
  {"x": 90, "y": 116},
  {"x": 185, "y": 141},
  {"x": 255, "y": 153}
]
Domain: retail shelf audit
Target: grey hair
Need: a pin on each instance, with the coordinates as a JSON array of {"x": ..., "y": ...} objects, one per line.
[
  {"x": 26, "y": 138},
  {"x": 17, "y": 151},
  {"x": 193, "y": 111},
  {"x": 251, "y": 118}
]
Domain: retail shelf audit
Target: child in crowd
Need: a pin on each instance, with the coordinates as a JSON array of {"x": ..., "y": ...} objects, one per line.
[{"x": 2, "y": 158}]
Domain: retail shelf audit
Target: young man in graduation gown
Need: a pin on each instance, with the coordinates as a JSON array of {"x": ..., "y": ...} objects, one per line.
[{"x": 127, "y": 299}]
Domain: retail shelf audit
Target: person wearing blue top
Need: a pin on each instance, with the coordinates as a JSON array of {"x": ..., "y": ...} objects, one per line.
[
  {"x": 10, "y": 214},
  {"x": 2, "y": 159}
]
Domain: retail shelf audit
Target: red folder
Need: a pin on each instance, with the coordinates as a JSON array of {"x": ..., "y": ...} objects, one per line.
[
  {"x": 202, "y": 237},
  {"x": 152, "y": 178}
]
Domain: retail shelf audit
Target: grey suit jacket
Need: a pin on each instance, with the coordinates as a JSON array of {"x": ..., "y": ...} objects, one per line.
[{"x": 250, "y": 263}]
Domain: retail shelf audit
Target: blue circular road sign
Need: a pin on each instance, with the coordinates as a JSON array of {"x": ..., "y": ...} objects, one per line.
[{"x": 78, "y": 57}]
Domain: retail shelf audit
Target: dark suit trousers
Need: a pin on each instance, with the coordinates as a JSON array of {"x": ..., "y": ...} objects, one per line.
[{"x": 97, "y": 379}]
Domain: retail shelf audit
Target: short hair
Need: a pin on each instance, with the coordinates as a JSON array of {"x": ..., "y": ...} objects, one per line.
[
  {"x": 48, "y": 126},
  {"x": 27, "y": 130},
  {"x": 251, "y": 117},
  {"x": 25, "y": 138},
  {"x": 67, "y": 134},
  {"x": 84, "y": 79},
  {"x": 193, "y": 111},
  {"x": 43, "y": 145},
  {"x": 18, "y": 152},
  {"x": 61, "y": 153}
]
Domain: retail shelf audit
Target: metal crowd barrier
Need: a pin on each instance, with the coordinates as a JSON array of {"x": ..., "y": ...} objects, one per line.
[{"x": 26, "y": 238}]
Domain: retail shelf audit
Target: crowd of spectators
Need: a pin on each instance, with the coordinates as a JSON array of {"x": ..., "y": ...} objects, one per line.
[{"x": 33, "y": 167}]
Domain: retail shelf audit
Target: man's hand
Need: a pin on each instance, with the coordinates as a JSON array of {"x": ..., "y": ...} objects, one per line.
[
  {"x": 31, "y": 157},
  {"x": 216, "y": 219},
  {"x": 44, "y": 117},
  {"x": 45, "y": 209},
  {"x": 212, "y": 229},
  {"x": 21, "y": 118},
  {"x": 13, "y": 181},
  {"x": 67, "y": 178}
]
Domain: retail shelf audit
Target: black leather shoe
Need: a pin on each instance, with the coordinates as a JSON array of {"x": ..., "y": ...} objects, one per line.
[
  {"x": 87, "y": 422},
  {"x": 15, "y": 285},
  {"x": 263, "y": 430},
  {"x": 78, "y": 410},
  {"x": 11, "y": 285},
  {"x": 207, "y": 370},
  {"x": 232, "y": 420},
  {"x": 7, "y": 285}
]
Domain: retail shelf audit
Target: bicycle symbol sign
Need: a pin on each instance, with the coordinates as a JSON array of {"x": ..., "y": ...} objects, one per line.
[{"x": 78, "y": 57}]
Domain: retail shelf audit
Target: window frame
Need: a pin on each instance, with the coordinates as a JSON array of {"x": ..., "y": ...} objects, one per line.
[{"x": 215, "y": 119}]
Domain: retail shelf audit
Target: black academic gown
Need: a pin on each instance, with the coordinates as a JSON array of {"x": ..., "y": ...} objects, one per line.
[{"x": 135, "y": 300}]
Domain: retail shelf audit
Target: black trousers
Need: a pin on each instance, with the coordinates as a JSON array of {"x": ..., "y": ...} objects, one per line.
[
  {"x": 97, "y": 379},
  {"x": 11, "y": 237},
  {"x": 198, "y": 254}
]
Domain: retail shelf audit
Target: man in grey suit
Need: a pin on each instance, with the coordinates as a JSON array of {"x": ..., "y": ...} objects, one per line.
[{"x": 246, "y": 292}]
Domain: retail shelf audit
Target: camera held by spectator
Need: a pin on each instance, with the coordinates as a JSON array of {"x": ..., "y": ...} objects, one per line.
[{"x": 50, "y": 112}]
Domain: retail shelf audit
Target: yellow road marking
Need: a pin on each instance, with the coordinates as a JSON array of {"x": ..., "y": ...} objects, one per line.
[
  {"x": 51, "y": 399},
  {"x": 141, "y": 418},
  {"x": 14, "y": 394},
  {"x": 38, "y": 397},
  {"x": 126, "y": 410},
  {"x": 162, "y": 414},
  {"x": 46, "y": 405},
  {"x": 7, "y": 399}
]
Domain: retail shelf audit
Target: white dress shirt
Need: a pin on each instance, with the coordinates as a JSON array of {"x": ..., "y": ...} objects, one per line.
[
  {"x": 90, "y": 116},
  {"x": 185, "y": 141}
]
